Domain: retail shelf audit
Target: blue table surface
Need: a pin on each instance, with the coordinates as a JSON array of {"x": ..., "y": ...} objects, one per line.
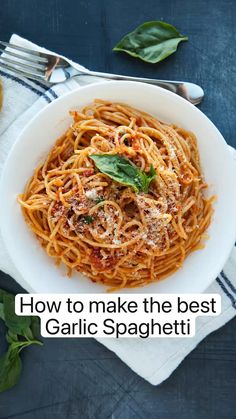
[{"x": 79, "y": 378}]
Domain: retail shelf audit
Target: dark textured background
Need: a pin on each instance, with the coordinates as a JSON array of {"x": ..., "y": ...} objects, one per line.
[{"x": 79, "y": 378}]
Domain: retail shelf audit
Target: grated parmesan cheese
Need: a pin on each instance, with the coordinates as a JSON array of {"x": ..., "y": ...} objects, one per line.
[{"x": 92, "y": 194}]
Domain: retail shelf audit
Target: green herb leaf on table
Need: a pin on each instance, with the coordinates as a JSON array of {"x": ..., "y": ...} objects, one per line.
[
  {"x": 17, "y": 324},
  {"x": 35, "y": 326},
  {"x": 28, "y": 333},
  {"x": 22, "y": 332},
  {"x": 11, "y": 337},
  {"x": 123, "y": 171},
  {"x": 151, "y": 42},
  {"x": 2, "y": 312},
  {"x": 10, "y": 368},
  {"x": 2, "y": 294}
]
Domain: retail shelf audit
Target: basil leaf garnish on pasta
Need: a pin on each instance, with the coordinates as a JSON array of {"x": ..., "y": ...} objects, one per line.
[
  {"x": 123, "y": 171},
  {"x": 151, "y": 42},
  {"x": 88, "y": 219}
]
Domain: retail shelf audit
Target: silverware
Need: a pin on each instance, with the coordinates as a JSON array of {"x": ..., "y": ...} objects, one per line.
[{"x": 51, "y": 69}]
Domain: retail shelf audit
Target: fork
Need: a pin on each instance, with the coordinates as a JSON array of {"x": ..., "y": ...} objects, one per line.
[{"x": 52, "y": 69}]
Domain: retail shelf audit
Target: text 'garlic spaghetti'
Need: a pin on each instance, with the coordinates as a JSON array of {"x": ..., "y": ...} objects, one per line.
[{"x": 119, "y": 197}]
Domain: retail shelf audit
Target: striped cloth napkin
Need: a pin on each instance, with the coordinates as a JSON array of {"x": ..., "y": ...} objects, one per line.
[{"x": 153, "y": 359}]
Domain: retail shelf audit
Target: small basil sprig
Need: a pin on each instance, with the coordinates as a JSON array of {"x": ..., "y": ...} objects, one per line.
[
  {"x": 22, "y": 332},
  {"x": 124, "y": 171},
  {"x": 151, "y": 42}
]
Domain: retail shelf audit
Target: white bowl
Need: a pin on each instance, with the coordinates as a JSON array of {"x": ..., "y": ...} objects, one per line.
[{"x": 39, "y": 274}]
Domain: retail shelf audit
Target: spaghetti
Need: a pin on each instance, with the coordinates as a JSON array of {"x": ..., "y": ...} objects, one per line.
[{"x": 103, "y": 228}]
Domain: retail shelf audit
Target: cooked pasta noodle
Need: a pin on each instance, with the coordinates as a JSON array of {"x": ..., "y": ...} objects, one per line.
[{"x": 104, "y": 229}]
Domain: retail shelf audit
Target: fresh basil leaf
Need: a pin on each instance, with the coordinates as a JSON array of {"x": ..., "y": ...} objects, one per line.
[
  {"x": 99, "y": 199},
  {"x": 27, "y": 328},
  {"x": 10, "y": 369},
  {"x": 123, "y": 171},
  {"x": 148, "y": 178},
  {"x": 21, "y": 344},
  {"x": 18, "y": 344},
  {"x": 2, "y": 312},
  {"x": 116, "y": 167},
  {"x": 35, "y": 326},
  {"x": 28, "y": 333},
  {"x": 16, "y": 324},
  {"x": 151, "y": 42},
  {"x": 11, "y": 337},
  {"x": 2, "y": 293}
]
